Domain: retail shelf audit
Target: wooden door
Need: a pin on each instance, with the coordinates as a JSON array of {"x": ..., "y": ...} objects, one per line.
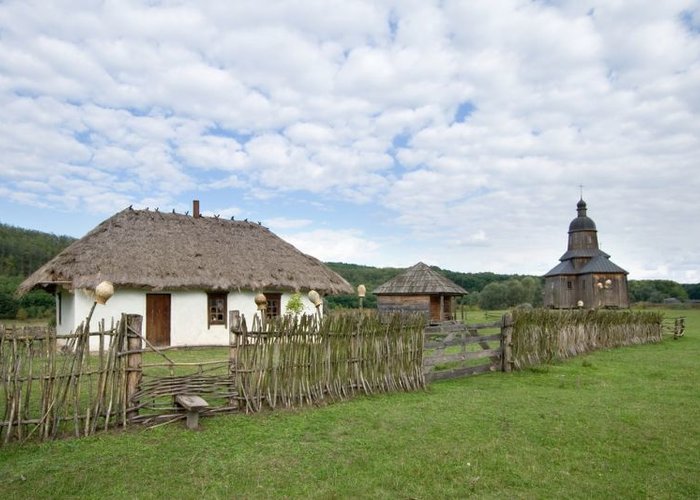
[
  {"x": 158, "y": 318},
  {"x": 435, "y": 308}
]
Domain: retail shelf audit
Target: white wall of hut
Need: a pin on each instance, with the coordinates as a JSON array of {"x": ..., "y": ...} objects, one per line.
[{"x": 188, "y": 313}]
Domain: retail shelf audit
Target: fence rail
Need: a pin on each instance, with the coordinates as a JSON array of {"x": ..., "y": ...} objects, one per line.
[{"x": 456, "y": 349}]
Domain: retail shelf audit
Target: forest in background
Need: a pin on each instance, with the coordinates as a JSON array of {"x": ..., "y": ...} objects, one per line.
[{"x": 22, "y": 251}]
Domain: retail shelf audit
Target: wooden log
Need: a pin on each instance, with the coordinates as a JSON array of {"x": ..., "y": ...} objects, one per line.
[
  {"x": 134, "y": 370},
  {"x": 507, "y": 342}
]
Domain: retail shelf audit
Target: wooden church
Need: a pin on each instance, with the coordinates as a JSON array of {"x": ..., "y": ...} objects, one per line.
[{"x": 585, "y": 277}]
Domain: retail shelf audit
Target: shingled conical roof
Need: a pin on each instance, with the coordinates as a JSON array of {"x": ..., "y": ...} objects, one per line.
[
  {"x": 164, "y": 251},
  {"x": 419, "y": 280}
]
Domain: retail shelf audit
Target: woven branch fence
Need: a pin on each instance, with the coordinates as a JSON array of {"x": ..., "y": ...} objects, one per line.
[
  {"x": 542, "y": 336},
  {"x": 289, "y": 362},
  {"x": 299, "y": 361},
  {"x": 52, "y": 386}
]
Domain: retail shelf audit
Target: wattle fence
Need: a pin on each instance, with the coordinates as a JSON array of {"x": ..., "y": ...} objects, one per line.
[
  {"x": 542, "y": 336},
  {"x": 52, "y": 385},
  {"x": 287, "y": 362}
]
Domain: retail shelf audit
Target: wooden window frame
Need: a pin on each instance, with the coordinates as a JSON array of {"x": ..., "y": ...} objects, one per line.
[
  {"x": 214, "y": 309},
  {"x": 274, "y": 304}
]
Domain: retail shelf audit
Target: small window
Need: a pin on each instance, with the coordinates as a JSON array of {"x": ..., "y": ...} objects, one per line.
[
  {"x": 569, "y": 285},
  {"x": 274, "y": 304},
  {"x": 216, "y": 308}
]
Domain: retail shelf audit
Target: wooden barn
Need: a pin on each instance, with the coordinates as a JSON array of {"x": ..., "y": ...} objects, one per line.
[
  {"x": 420, "y": 289},
  {"x": 585, "y": 277},
  {"x": 184, "y": 274}
]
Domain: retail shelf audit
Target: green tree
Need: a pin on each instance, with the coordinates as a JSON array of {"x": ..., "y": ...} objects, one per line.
[
  {"x": 656, "y": 290},
  {"x": 294, "y": 305},
  {"x": 516, "y": 293},
  {"x": 8, "y": 306},
  {"x": 494, "y": 296},
  {"x": 693, "y": 291}
]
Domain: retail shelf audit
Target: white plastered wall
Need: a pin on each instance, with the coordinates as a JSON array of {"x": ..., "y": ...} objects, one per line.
[{"x": 188, "y": 313}]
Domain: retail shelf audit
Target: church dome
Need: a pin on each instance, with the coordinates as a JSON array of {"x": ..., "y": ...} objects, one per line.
[{"x": 582, "y": 222}]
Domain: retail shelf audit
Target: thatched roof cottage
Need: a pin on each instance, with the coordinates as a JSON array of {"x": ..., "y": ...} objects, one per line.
[
  {"x": 420, "y": 289},
  {"x": 182, "y": 273}
]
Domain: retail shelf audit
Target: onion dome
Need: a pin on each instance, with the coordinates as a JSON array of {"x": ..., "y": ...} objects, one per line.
[{"x": 582, "y": 222}]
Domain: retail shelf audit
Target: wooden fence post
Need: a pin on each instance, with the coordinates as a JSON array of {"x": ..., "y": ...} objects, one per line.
[
  {"x": 133, "y": 362},
  {"x": 507, "y": 341},
  {"x": 235, "y": 329}
]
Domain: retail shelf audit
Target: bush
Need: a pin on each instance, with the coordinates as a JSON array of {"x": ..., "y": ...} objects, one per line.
[
  {"x": 8, "y": 306},
  {"x": 295, "y": 305}
]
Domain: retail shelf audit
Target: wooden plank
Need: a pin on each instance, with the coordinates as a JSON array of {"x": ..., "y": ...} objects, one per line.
[
  {"x": 191, "y": 402},
  {"x": 193, "y": 405},
  {"x": 461, "y": 341},
  {"x": 459, "y": 327},
  {"x": 459, "y": 372},
  {"x": 481, "y": 326},
  {"x": 461, "y": 356}
]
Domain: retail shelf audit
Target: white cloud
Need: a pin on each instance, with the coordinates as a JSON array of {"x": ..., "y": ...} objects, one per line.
[
  {"x": 355, "y": 102},
  {"x": 341, "y": 245},
  {"x": 284, "y": 223}
]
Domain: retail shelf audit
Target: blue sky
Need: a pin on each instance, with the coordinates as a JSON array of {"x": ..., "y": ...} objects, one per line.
[{"x": 372, "y": 132}]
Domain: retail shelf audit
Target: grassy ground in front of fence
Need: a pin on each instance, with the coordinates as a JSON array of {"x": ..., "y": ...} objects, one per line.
[{"x": 617, "y": 423}]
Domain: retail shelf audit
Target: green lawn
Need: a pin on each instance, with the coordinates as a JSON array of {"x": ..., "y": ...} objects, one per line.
[{"x": 619, "y": 423}]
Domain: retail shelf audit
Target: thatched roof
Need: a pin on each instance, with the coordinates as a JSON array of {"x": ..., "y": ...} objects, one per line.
[
  {"x": 419, "y": 280},
  {"x": 164, "y": 251}
]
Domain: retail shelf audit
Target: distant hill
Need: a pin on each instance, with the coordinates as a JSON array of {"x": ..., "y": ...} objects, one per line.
[{"x": 23, "y": 251}]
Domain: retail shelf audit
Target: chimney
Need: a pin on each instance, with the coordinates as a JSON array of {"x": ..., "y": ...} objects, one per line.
[{"x": 195, "y": 209}]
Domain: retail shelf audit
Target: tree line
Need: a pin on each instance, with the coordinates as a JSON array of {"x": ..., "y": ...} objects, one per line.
[
  {"x": 22, "y": 251},
  {"x": 497, "y": 291},
  {"x": 486, "y": 290}
]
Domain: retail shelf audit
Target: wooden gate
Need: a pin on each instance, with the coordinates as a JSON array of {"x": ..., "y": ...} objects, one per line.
[{"x": 454, "y": 349}]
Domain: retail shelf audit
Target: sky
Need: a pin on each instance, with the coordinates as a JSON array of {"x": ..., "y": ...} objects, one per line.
[{"x": 457, "y": 133}]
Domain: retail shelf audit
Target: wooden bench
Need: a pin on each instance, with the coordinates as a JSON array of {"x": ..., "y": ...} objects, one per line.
[{"x": 193, "y": 405}]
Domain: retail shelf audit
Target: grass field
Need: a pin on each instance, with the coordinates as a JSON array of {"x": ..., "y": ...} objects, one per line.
[{"x": 619, "y": 423}]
